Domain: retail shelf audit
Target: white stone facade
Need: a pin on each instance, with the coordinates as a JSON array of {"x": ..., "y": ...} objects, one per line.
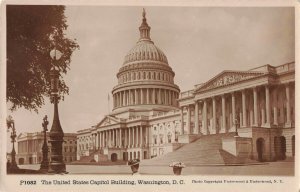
[
  {"x": 29, "y": 147},
  {"x": 261, "y": 102},
  {"x": 151, "y": 117}
]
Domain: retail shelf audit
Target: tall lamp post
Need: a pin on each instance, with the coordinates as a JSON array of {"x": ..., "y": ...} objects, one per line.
[
  {"x": 11, "y": 124},
  {"x": 45, "y": 162},
  {"x": 57, "y": 164}
]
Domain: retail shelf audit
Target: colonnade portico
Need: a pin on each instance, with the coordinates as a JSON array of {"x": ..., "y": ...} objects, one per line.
[
  {"x": 145, "y": 96},
  {"x": 249, "y": 107},
  {"x": 131, "y": 137}
]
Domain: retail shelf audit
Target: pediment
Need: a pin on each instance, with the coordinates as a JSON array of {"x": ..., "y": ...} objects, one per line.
[
  {"x": 227, "y": 78},
  {"x": 108, "y": 120},
  {"x": 21, "y": 135}
]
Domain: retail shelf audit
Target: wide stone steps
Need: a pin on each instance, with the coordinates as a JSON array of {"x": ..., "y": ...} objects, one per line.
[{"x": 204, "y": 151}]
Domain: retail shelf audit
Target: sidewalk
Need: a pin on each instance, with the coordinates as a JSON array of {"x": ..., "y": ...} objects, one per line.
[{"x": 271, "y": 168}]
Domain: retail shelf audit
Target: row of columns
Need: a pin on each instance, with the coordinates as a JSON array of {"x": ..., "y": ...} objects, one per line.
[
  {"x": 145, "y": 96},
  {"x": 266, "y": 121},
  {"x": 121, "y": 137},
  {"x": 132, "y": 76}
]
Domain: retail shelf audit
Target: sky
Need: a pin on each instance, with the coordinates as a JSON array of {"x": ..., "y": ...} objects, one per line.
[{"x": 199, "y": 43}]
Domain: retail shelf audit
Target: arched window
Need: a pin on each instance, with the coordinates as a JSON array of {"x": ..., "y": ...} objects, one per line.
[
  {"x": 154, "y": 75},
  {"x": 161, "y": 138},
  {"x": 169, "y": 137},
  {"x": 155, "y": 139}
]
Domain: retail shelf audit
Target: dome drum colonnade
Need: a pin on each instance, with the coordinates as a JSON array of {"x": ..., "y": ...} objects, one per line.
[{"x": 145, "y": 80}]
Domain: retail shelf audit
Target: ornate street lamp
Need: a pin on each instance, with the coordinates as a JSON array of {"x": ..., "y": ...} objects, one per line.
[
  {"x": 11, "y": 124},
  {"x": 45, "y": 162},
  {"x": 57, "y": 164}
]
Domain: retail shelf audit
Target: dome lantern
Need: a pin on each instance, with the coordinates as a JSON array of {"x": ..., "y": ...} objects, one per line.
[{"x": 144, "y": 28}]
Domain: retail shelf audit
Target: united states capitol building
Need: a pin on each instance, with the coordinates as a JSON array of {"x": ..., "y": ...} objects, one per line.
[{"x": 252, "y": 112}]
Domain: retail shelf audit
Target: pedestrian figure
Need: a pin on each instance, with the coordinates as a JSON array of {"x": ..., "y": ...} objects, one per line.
[
  {"x": 177, "y": 167},
  {"x": 134, "y": 165}
]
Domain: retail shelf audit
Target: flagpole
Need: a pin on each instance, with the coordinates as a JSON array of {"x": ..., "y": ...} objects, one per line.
[{"x": 108, "y": 102}]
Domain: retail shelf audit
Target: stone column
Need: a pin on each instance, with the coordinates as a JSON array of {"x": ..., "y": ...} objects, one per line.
[
  {"x": 97, "y": 140},
  {"x": 244, "y": 108},
  {"x": 117, "y": 137},
  {"x": 114, "y": 101},
  {"x": 146, "y": 136},
  {"x": 255, "y": 107},
  {"x": 268, "y": 109},
  {"x": 124, "y": 98},
  {"x": 214, "y": 124},
  {"x": 103, "y": 139},
  {"x": 153, "y": 96},
  {"x": 188, "y": 121},
  {"x": 100, "y": 139},
  {"x": 137, "y": 136},
  {"x": 109, "y": 138},
  {"x": 223, "y": 129},
  {"x": 120, "y": 138},
  {"x": 129, "y": 137},
  {"x": 196, "y": 131},
  {"x": 106, "y": 138},
  {"x": 113, "y": 139},
  {"x": 288, "y": 122},
  {"x": 204, "y": 117},
  {"x": 142, "y": 96},
  {"x": 141, "y": 136},
  {"x": 170, "y": 97},
  {"x": 126, "y": 137},
  {"x": 182, "y": 121},
  {"x": 120, "y": 99},
  {"x": 275, "y": 107},
  {"x": 136, "y": 96},
  {"x": 166, "y": 97},
  {"x": 233, "y": 111},
  {"x": 133, "y": 137},
  {"x": 159, "y": 96},
  {"x": 148, "y": 96},
  {"x": 117, "y": 99},
  {"x": 131, "y": 97}
]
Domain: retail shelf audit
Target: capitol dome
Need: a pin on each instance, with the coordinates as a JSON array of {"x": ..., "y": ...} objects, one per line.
[
  {"x": 145, "y": 80},
  {"x": 145, "y": 50}
]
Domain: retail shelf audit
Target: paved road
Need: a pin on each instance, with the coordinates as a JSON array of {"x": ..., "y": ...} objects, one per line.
[{"x": 273, "y": 168}]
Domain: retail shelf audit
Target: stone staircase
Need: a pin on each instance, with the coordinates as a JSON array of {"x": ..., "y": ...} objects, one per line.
[{"x": 207, "y": 150}]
